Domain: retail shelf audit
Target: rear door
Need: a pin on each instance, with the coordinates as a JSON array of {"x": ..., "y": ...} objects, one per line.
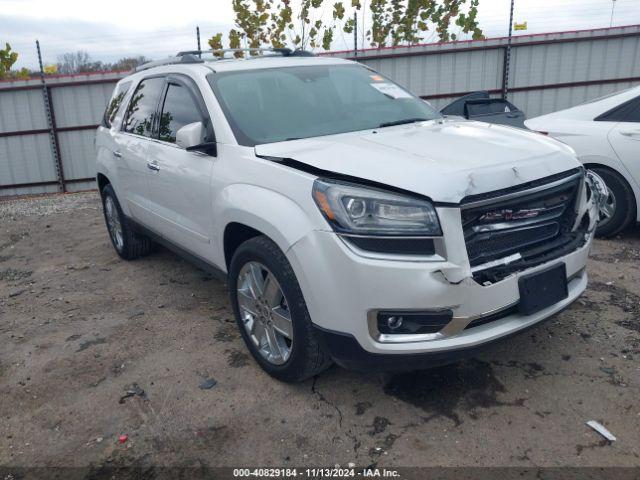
[
  {"x": 180, "y": 185},
  {"x": 625, "y": 137},
  {"x": 108, "y": 143},
  {"x": 132, "y": 146}
]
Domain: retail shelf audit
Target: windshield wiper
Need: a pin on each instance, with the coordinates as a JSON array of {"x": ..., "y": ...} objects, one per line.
[{"x": 402, "y": 122}]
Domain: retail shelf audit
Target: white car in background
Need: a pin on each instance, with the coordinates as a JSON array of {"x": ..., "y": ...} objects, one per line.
[{"x": 605, "y": 133}]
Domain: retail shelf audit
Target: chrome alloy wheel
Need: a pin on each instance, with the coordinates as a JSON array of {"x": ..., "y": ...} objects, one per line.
[
  {"x": 113, "y": 222},
  {"x": 608, "y": 210},
  {"x": 265, "y": 313}
]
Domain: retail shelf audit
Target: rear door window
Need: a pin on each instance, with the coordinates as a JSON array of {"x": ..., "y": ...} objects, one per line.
[
  {"x": 633, "y": 115},
  {"x": 627, "y": 112},
  {"x": 142, "y": 111}
]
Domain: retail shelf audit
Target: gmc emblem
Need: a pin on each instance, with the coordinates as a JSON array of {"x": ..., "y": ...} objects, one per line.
[{"x": 508, "y": 215}]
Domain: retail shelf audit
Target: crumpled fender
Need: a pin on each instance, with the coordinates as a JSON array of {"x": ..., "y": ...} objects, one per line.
[
  {"x": 273, "y": 214},
  {"x": 596, "y": 201}
]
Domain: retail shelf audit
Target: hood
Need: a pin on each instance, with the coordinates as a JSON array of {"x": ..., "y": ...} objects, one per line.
[{"x": 443, "y": 160}]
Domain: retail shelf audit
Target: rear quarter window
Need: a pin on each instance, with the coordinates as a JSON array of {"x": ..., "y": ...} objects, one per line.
[
  {"x": 627, "y": 112},
  {"x": 115, "y": 103}
]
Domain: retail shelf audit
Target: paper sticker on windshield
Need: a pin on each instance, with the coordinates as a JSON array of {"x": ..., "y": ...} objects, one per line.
[
  {"x": 377, "y": 78},
  {"x": 391, "y": 90}
]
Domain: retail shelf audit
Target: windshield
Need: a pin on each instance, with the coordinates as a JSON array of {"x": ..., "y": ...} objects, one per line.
[{"x": 273, "y": 105}]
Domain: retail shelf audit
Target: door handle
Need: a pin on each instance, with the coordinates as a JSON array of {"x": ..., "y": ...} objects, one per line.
[
  {"x": 117, "y": 154},
  {"x": 153, "y": 166}
]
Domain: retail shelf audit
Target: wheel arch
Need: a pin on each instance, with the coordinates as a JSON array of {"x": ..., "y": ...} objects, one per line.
[
  {"x": 235, "y": 234},
  {"x": 102, "y": 180},
  {"x": 245, "y": 211}
]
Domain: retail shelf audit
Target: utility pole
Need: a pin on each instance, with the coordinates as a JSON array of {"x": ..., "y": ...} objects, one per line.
[
  {"x": 613, "y": 7},
  {"x": 355, "y": 34},
  {"x": 507, "y": 57},
  {"x": 198, "y": 36}
]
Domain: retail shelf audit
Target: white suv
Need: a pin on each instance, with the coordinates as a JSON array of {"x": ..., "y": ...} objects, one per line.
[{"x": 352, "y": 221}]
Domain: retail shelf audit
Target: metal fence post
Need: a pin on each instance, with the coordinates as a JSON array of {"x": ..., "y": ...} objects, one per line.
[
  {"x": 51, "y": 123},
  {"x": 355, "y": 34},
  {"x": 507, "y": 57},
  {"x": 198, "y": 35}
]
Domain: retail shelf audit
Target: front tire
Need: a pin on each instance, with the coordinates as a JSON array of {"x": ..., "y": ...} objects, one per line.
[
  {"x": 128, "y": 244},
  {"x": 271, "y": 312},
  {"x": 620, "y": 209}
]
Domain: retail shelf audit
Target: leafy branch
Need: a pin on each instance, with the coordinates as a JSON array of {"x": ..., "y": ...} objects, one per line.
[
  {"x": 7, "y": 59},
  {"x": 392, "y": 22}
]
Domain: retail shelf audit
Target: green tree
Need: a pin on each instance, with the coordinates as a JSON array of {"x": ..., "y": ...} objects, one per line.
[
  {"x": 392, "y": 22},
  {"x": 273, "y": 23},
  {"x": 22, "y": 74},
  {"x": 7, "y": 59},
  {"x": 397, "y": 22},
  {"x": 50, "y": 69}
]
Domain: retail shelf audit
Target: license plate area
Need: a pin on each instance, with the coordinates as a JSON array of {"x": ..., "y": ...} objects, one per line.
[{"x": 543, "y": 289}]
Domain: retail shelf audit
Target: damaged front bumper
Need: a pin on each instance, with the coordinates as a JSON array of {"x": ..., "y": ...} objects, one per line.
[
  {"x": 598, "y": 190},
  {"x": 345, "y": 289}
]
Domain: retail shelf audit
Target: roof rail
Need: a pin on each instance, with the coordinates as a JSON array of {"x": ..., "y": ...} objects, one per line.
[
  {"x": 188, "y": 57},
  {"x": 193, "y": 56},
  {"x": 285, "y": 52}
]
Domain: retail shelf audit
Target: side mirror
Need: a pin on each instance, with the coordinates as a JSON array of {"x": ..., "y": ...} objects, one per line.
[
  {"x": 191, "y": 138},
  {"x": 190, "y": 135}
]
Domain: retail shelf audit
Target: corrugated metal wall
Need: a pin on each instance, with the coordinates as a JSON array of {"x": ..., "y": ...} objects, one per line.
[
  {"x": 79, "y": 105},
  {"x": 26, "y": 156},
  {"x": 548, "y": 72},
  {"x": 437, "y": 76}
]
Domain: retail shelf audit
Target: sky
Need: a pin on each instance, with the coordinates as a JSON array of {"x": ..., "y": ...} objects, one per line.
[{"x": 109, "y": 30}]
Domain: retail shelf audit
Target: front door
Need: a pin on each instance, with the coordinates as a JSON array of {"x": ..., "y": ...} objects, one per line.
[{"x": 180, "y": 185}]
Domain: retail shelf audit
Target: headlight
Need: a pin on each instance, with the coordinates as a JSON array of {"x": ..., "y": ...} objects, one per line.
[{"x": 357, "y": 210}]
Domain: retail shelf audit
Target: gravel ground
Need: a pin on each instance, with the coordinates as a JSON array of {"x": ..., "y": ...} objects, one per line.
[
  {"x": 40, "y": 206},
  {"x": 79, "y": 327}
]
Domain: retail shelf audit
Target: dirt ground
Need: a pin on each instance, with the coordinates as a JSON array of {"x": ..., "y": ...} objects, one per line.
[{"x": 79, "y": 326}]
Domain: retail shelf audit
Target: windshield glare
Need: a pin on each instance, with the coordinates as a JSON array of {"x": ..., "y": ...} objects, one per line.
[{"x": 273, "y": 105}]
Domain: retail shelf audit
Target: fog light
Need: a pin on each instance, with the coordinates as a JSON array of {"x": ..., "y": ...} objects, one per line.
[
  {"x": 413, "y": 322},
  {"x": 394, "y": 322}
]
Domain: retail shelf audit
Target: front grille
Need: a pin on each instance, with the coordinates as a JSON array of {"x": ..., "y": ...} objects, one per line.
[
  {"x": 520, "y": 222},
  {"x": 485, "y": 247}
]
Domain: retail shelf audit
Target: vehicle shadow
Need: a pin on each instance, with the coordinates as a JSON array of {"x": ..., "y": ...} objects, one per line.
[
  {"x": 631, "y": 234},
  {"x": 500, "y": 376}
]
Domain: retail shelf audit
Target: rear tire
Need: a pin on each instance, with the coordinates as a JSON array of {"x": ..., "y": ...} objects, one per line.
[
  {"x": 298, "y": 355},
  {"x": 621, "y": 204},
  {"x": 128, "y": 244}
]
